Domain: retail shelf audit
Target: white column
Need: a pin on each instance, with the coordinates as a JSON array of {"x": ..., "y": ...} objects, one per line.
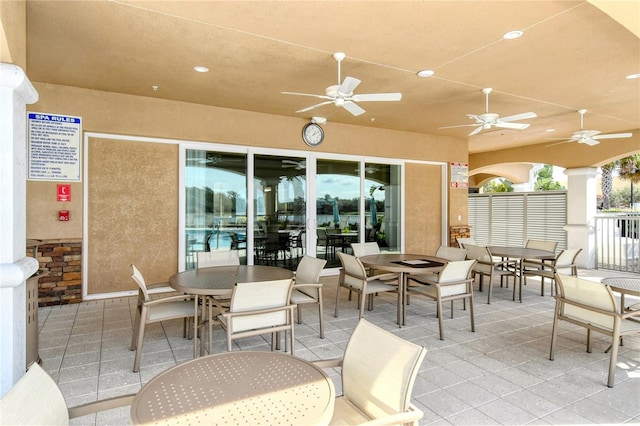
[
  {"x": 581, "y": 209},
  {"x": 16, "y": 91}
]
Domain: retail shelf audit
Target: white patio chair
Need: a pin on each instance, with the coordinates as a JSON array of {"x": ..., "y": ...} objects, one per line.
[
  {"x": 488, "y": 265},
  {"x": 353, "y": 276},
  {"x": 378, "y": 372},
  {"x": 538, "y": 245},
  {"x": 36, "y": 400},
  {"x": 449, "y": 253},
  {"x": 307, "y": 287},
  {"x": 208, "y": 259},
  {"x": 564, "y": 263},
  {"x": 593, "y": 306},
  {"x": 150, "y": 311},
  {"x": 368, "y": 249},
  {"x": 260, "y": 308},
  {"x": 454, "y": 282}
]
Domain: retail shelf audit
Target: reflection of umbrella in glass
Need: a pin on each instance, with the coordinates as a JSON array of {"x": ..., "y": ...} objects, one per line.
[
  {"x": 374, "y": 211},
  {"x": 336, "y": 212}
]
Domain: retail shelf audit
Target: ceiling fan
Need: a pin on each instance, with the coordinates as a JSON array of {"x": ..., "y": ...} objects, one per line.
[
  {"x": 489, "y": 119},
  {"x": 589, "y": 137},
  {"x": 298, "y": 165},
  {"x": 341, "y": 94}
]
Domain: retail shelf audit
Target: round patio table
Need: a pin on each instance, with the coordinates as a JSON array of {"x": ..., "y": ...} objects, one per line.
[
  {"x": 237, "y": 388},
  {"x": 218, "y": 282}
]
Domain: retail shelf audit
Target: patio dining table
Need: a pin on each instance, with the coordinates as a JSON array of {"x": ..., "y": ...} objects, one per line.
[
  {"x": 218, "y": 282},
  {"x": 237, "y": 388},
  {"x": 403, "y": 264},
  {"x": 521, "y": 253}
]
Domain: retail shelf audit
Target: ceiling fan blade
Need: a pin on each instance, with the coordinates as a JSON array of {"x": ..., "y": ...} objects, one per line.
[
  {"x": 519, "y": 126},
  {"x": 307, "y": 94},
  {"x": 348, "y": 86},
  {"x": 589, "y": 141},
  {"x": 314, "y": 106},
  {"x": 476, "y": 130},
  {"x": 460, "y": 125},
  {"x": 612, "y": 136},
  {"x": 516, "y": 117},
  {"x": 559, "y": 143},
  {"x": 371, "y": 97},
  {"x": 353, "y": 108}
]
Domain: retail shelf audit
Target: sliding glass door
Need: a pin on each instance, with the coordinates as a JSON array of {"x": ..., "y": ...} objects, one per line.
[
  {"x": 276, "y": 224},
  {"x": 279, "y": 197},
  {"x": 215, "y": 203}
]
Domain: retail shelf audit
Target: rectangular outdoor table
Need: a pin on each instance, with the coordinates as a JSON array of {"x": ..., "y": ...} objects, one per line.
[
  {"x": 521, "y": 253},
  {"x": 237, "y": 388},
  {"x": 403, "y": 264}
]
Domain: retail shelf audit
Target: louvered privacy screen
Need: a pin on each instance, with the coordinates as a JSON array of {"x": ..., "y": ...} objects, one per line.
[{"x": 510, "y": 219}]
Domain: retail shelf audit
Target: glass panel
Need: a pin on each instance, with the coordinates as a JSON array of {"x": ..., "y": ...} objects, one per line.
[
  {"x": 337, "y": 208},
  {"x": 216, "y": 203},
  {"x": 280, "y": 187},
  {"x": 382, "y": 206}
]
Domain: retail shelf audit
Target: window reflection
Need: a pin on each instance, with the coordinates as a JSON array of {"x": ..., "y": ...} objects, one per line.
[
  {"x": 280, "y": 206},
  {"x": 216, "y": 203}
]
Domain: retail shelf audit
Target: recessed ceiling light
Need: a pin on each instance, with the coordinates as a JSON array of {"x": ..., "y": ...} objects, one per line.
[
  {"x": 425, "y": 73},
  {"x": 201, "y": 69},
  {"x": 512, "y": 35},
  {"x": 632, "y": 76},
  {"x": 550, "y": 130}
]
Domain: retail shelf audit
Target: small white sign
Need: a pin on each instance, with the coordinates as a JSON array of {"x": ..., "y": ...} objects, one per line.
[
  {"x": 460, "y": 175},
  {"x": 54, "y": 143}
]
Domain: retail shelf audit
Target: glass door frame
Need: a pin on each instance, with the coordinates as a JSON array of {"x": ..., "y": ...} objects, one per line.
[{"x": 310, "y": 190}]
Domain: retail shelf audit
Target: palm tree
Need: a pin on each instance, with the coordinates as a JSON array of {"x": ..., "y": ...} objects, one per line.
[
  {"x": 630, "y": 170},
  {"x": 607, "y": 184}
]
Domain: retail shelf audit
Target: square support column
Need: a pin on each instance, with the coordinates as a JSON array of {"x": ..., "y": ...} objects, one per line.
[
  {"x": 581, "y": 209},
  {"x": 16, "y": 91}
]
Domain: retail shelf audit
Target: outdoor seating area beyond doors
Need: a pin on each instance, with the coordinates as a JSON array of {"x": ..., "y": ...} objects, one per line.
[{"x": 275, "y": 230}]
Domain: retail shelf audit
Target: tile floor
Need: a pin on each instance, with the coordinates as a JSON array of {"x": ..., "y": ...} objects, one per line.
[{"x": 501, "y": 374}]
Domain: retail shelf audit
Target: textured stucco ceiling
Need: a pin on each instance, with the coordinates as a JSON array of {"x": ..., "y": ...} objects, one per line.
[{"x": 572, "y": 56}]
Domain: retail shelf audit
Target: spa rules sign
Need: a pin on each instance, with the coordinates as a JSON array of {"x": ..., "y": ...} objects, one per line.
[{"x": 54, "y": 147}]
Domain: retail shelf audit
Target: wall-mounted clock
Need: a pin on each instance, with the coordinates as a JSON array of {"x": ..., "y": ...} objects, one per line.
[{"x": 312, "y": 134}]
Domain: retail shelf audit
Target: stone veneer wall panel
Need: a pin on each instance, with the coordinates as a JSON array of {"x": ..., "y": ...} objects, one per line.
[{"x": 61, "y": 265}]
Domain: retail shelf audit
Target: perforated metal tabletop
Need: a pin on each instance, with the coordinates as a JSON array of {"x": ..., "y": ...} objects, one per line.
[{"x": 237, "y": 388}]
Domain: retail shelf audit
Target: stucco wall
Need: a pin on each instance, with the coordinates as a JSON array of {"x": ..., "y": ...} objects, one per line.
[{"x": 115, "y": 206}]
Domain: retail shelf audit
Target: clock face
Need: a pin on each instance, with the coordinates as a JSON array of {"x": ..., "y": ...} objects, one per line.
[{"x": 312, "y": 134}]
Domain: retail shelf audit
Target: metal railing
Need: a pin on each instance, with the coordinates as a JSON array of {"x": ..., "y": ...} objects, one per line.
[{"x": 618, "y": 241}]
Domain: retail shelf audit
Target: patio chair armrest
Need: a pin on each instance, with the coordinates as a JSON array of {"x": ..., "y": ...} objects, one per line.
[
  {"x": 328, "y": 363},
  {"x": 178, "y": 297},
  {"x": 408, "y": 417},
  {"x": 104, "y": 404},
  {"x": 457, "y": 282},
  {"x": 307, "y": 286},
  {"x": 229, "y": 315},
  {"x": 422, "y": 278},
  {"x": 158, "y": 285},
  {"x": 383, "y": 277},
  {"x": 389, "y": 276}
]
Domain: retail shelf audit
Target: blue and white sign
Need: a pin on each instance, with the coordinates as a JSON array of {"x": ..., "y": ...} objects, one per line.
[{"x": 54, "y": 147}]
